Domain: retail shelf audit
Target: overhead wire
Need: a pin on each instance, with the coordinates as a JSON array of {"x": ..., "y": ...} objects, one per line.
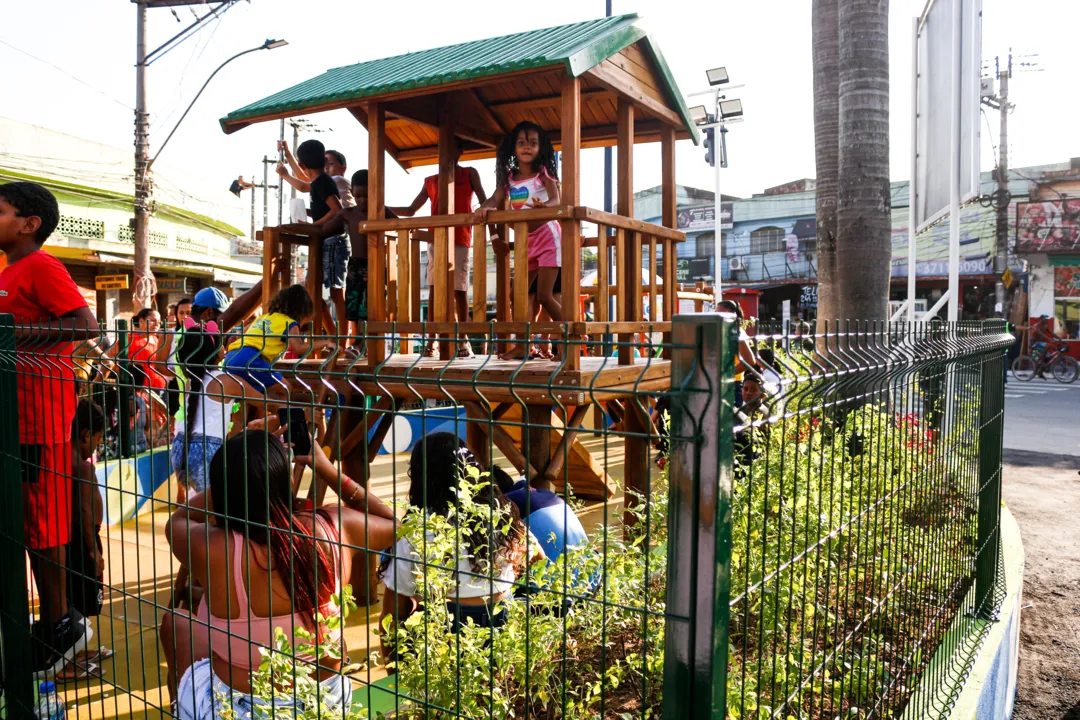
[{"x": 79, "y": 80}]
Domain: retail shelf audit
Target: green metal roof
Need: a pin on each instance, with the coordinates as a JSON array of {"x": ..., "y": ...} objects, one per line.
[{"x": 579, "y": 46}]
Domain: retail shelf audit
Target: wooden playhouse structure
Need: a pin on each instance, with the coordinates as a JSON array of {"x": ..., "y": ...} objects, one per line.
[{"x": 590, "y": 84}]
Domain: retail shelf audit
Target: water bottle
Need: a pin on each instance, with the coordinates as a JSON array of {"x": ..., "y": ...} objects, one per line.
[{"x": 50, "y": 706}]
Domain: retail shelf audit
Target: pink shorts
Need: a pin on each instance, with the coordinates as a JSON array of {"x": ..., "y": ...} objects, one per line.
[{"x": 545, "y": 246}]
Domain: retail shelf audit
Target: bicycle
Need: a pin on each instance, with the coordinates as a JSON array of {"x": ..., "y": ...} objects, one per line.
[{"x": 1064, "y": 368}]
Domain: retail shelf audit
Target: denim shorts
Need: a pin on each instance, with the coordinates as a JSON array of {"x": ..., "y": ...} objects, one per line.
[
  {"x": 247, "y": 363},
  {"x": 193, "y": 470},
  {"x": 335, "y": 257}
]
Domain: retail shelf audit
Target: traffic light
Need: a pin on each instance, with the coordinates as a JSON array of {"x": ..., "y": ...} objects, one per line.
[{"x": 710, "y": 147}]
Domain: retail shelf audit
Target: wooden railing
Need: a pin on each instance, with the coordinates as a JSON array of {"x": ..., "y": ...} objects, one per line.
[{"x": 394, "y": 280}]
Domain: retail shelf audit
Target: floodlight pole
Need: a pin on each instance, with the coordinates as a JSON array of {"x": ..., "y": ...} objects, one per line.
[
  {"x": 913, "y": 183},
  {"x": 720, "y": 161},
  {"x": 954, "y": 168}
]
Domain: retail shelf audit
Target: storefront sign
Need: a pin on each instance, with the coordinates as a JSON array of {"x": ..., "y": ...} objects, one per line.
[
  {"x": 172, "y": 285},
  {"x": 1050, "y": 226},
  {"x": 691, "y": 269},
  {"x": 111, "y": 282},
  {"x": 808, "y": 298},
  {"x": 940, "y": 268},
  {"x": 704, "y": 218}
]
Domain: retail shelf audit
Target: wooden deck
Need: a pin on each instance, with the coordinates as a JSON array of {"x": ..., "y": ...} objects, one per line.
[{"x": 487, "y": 377}]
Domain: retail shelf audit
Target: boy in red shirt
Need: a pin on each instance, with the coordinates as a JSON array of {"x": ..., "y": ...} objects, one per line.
[{"x": 50, "y": 313}]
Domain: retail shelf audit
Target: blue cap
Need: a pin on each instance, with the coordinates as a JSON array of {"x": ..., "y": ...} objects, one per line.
[
  {"x": 211, "y": 297},
  {"x": 47, "y": 687}
]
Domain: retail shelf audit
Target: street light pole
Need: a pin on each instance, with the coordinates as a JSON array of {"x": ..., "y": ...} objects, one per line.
[
  {"x": 144, "y": 287},
  {"x": 718, "y": 249}
]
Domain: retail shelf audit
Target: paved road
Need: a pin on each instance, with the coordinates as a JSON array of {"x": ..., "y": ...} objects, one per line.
[
  {"x": 1042, "y": 416},
  {"x": 1042, "y": 445}
]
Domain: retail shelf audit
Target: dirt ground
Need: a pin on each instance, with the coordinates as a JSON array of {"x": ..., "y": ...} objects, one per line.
[{"x": 1043, "y": 492}]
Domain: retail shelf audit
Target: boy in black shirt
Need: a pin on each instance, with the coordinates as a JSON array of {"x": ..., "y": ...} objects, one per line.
[{"x": 324, "y": 209}]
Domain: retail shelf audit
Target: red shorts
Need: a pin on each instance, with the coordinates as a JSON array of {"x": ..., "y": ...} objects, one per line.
[
  {"x": 46, "y": 478},
  {"x": 545, "y": 246}
]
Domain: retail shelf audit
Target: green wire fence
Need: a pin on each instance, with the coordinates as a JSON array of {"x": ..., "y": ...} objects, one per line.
[{"x": 691, "y": 523}]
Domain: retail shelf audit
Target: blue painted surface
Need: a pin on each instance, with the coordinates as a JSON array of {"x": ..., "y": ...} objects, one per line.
[
  {"x": 127, "y": 484},
  {"x": 420, "y": 423}
]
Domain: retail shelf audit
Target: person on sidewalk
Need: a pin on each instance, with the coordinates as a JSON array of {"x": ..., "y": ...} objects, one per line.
[{"x": 50, "y": 312}]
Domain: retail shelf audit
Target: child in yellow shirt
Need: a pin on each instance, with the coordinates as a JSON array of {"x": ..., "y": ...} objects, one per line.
[{"x": 250, "y": 357}]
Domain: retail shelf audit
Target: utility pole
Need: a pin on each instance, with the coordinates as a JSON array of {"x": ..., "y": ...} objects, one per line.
[
  {"x": 144, "y": 287},
  {"x": 1001, "y": 262}
]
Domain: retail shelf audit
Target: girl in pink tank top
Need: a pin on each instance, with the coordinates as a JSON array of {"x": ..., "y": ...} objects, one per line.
[
  {"x": 527, "y": 179},
  {"x": 267, "y": 561}
]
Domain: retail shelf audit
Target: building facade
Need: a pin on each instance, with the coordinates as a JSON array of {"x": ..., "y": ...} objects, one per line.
[
  {"x": 770, "y": 247},
  {"x": 191, "y": 246}
]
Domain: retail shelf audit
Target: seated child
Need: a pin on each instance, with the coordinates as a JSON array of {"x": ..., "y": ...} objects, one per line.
[
  {"x": 250, "y": 356},
  {"x": 545, "y": 514},
  {"x": 489, "y": 559}
]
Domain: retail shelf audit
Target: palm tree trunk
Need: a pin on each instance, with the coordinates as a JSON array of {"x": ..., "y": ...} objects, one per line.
[
  {"x": 863, "y": 202},
  {"x": 826, "y": 54}
]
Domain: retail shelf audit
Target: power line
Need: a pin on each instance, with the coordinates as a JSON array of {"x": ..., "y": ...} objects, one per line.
[{"x": 65, "y": 72}]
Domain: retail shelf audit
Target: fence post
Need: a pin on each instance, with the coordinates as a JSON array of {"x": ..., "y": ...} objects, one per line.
[
  {"x": 699, "y": 517},
  {"x": 126, "y": 412},
  {"x": 14, "y": 606},
  {"x": 991, "y": 438}
]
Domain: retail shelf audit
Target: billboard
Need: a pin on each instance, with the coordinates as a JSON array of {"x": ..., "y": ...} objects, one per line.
[
  {"x": 936, "y": 84},
  {"x": 1049, "y": 226},
  {"x": 695, "y": 219},
  {"x": 1067, "y": 281}
]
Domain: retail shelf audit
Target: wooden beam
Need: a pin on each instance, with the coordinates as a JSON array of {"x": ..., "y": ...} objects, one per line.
[
  {"x": 271, "y": 248},
  {"x": 472, "y": 99},
  {"x": 500, "y": 438},
  {"x": 360, "y": 113},
  {"x": 624, "y": 198},
  {"x": 636, "y": 461},
  {"x": 571, "y": 195},
  {"x": 570, "y": 431},
  {"x": 537, "y": 419},
  {"x": 428, "y": 111},
  {"x": 376, "y": 210},
  {"x": 479, "y": 248},
  {"x": 668, "y": 218},
  {"x": 614, "y": 81},
  {"x": 551, "y": 101}
]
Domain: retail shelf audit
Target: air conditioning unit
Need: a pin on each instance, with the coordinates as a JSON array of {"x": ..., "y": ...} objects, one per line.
[{"x": 737, "y": 263}]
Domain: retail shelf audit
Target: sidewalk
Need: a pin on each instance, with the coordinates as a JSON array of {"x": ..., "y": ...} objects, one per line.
[{"x": 1043, "y": 492}]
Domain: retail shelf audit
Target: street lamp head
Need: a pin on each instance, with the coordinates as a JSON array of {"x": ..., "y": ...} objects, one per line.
[
  {"x": 730, "y": 109},
  {"x": 699, "y": 114},
  {"x": 717, "y": 76},
  {"x": 271, "y": 44}
]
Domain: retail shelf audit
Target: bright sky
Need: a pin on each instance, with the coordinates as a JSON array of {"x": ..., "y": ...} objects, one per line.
[{"x": 763, "y": 44}]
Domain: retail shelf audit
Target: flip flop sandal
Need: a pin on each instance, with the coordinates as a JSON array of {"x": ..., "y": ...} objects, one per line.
[
  {"x": 82, "y": 672},
  {"x": 465, "y": 352},
  {"x": 103, "y": 653}
]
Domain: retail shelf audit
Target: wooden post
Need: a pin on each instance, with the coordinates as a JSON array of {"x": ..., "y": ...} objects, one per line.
[
  {"x": 479, "y": 303},
  {"x": 521, "y": 274},
  {"x": 631, "y": 278},
  {"x": 376, "y": 211},
  {"x": 445, "y": 237},
  {"x": 271, "y": 249},
  {"x": 417, "y": 279},
  {"x": 538, "y": 430},
  {"x": 405, "y": 280},
  {"x": 502, "y": 286},
  {"x": 654, "y": 298},
  {"x": 669, "y": 219},
  {"x": 571, "y": 228},
  {"x": 315, "y": 286},
  {"x": 391, "y": 278}
]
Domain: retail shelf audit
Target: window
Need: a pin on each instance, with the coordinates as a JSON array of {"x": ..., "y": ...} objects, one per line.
[
  {"x": 706, "y": 246},
  {"x": 1067, "y": 317},
  {"x": 767, "y": 240}
]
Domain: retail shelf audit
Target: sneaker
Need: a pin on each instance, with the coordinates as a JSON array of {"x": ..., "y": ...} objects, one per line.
[{"x": 53, "y": 651}]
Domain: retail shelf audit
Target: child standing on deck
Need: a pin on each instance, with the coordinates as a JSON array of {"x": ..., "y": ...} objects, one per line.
[
  {"x": 327, "y": 200},
  {"x": 526, "y": 179},
  {"x": 268, "y": 338}
]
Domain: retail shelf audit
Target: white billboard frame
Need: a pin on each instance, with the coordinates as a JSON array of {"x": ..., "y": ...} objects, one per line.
[{"x": 961, "y": 20}]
